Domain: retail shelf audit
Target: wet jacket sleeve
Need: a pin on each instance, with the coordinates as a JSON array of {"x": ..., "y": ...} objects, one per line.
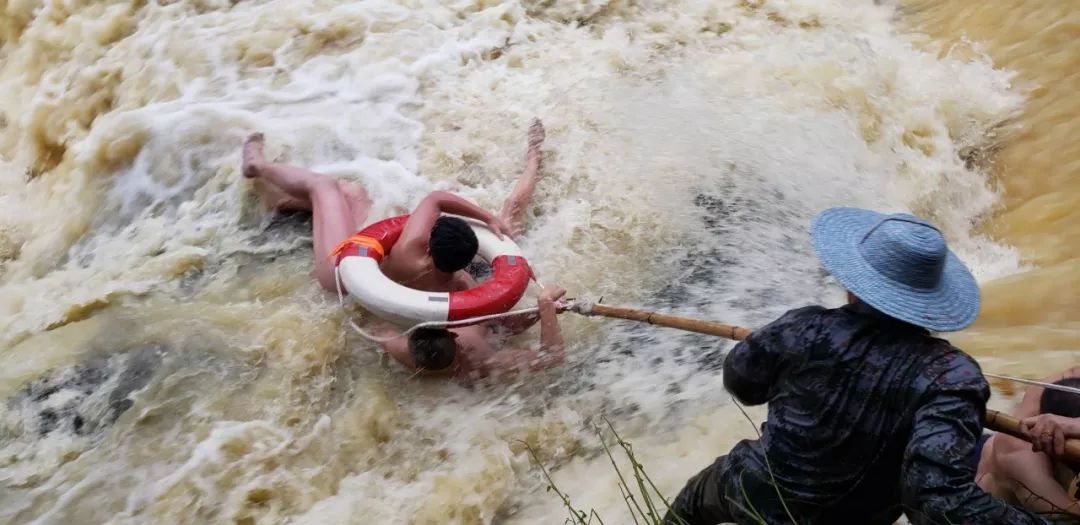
[
  {"x": 755, "y": 365},
  {"x": 938, "y": 481}
]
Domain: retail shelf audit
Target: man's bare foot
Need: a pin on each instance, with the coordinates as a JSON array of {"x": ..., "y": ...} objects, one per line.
[
  {"x": 536, "y": 139},
  {"x": 252, "y": 155}
]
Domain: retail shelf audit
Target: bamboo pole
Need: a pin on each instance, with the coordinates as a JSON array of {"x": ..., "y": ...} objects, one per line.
[
  {"x": 994, "y": 420},
  {"x": 736, "y": 333}
]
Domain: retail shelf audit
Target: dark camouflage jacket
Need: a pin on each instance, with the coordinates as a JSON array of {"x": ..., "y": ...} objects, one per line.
[{"x": 869, "y": 417}]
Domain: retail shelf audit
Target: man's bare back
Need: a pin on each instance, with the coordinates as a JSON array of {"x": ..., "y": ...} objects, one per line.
[{"x": 419, "y": 274}]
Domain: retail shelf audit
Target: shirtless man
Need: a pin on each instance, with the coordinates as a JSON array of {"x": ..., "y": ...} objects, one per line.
[
  {"x": 478, "y": 351},
  {"x": 1030, "y": 474},
  {"x": 430, "y": 255},
  {"x": 432, "y": 251}
]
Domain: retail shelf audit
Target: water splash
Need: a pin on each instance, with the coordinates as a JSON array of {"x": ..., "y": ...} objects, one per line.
[{"x": 689, "y": 144}]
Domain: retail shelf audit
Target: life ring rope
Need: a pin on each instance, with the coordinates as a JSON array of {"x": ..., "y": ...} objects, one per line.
[{"x": 426, "y": 324}]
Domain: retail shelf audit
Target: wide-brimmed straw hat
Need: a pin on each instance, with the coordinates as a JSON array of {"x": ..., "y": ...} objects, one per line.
[{"x": 899, "y": 264}]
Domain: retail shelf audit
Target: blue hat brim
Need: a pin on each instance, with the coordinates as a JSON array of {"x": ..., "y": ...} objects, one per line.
[{"x": 953, "y": 305}]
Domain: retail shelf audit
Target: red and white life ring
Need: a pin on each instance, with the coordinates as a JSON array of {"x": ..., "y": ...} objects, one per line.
[{"x": 358, "y": 260}]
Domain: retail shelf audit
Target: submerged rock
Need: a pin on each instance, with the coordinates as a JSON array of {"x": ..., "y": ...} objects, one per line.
[{"x": 83, "y": 399}]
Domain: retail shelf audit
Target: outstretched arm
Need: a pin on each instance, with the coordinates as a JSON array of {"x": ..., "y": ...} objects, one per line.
[
  {"x": 552, "y": 351},
  {"x": 752, "y": 368},
  {"x": 551, "y": 340},
  {"x": 519, "y": 323}
]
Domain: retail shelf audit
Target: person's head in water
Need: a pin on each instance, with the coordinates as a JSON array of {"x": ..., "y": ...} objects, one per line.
[
  {"x": 433, "y": 348},
  {"x": 452, "y": 245},
  {"x": 1064, "y": 404}
]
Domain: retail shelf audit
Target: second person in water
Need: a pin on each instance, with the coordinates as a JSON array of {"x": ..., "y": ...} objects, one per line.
[{"x": 431, "y": 255}]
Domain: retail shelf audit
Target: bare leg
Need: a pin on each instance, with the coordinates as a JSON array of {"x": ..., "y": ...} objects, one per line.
[
  {"x": 514, "y": 207},
  {"x": 359, "y": 202},
  {"x": 334, "y": 217},
  {"x": 273, "y": 180},
  {"x": 274, "y": 198}
]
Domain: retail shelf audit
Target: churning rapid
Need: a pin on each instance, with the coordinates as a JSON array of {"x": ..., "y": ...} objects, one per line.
[{"x": 167, "y": 357}]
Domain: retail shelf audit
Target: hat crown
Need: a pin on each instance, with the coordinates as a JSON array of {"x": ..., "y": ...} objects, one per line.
[{"x": 906, "y": 250}]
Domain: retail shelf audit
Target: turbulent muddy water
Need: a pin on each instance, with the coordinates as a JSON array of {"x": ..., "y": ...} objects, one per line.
[{"x": 167, "y": 358}]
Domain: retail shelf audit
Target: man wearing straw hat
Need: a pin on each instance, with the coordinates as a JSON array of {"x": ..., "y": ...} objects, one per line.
[{"x": 869, "y": 415}]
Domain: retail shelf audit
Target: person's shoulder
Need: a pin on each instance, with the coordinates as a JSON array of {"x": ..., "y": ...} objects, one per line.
[
  {"x": 950, "y": 368},
  {"x": 804, "y": 314},
  {"x": 809, "y": 310},
  {"x": 816, "y": 315},
  {"x": 797, "y": 320},
  {"x": 950, "y": 357}
]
